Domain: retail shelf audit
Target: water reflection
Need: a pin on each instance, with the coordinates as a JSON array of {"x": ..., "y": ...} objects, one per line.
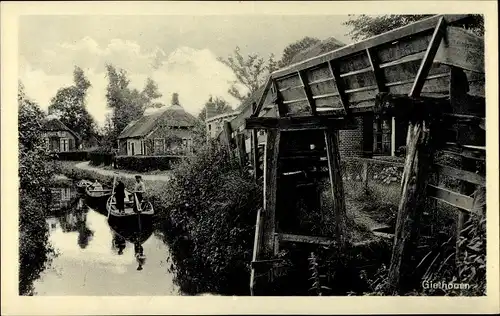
[{"x": 93, "y": 259}]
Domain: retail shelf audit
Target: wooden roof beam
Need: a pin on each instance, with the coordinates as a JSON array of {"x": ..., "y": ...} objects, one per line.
[
  {"x": 262, "y": 98},
  {"x": 379, "y": 76},
  {"x": 388, "y": 37},
  {"x": 307, "y": 91},
  {"x": 425, "y": 66},
  {"x": 339, "y": 85},
  {"x": 300, "y": 123}
]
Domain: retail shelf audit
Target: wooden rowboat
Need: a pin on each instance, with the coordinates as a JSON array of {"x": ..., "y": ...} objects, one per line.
[
  {"x": 97, "y": 193},
  {"x": 82, "y": 185},
  {"x": 146, "y": 208}
]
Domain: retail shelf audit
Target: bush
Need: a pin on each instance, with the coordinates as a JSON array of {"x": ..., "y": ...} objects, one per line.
[
  {"x": 212, "y": 205},
  {"x": 72, "y": 155},
  {"x": 146, "y": 163},
  {"x": 100, "y": 157}
]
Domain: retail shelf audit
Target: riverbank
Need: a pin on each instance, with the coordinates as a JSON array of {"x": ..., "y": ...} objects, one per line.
[{"x": 85, "y": 165}]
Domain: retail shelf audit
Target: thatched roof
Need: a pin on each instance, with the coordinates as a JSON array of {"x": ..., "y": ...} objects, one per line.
[
  {"x": 55, "y": 125},
  {"x": 174, "y": 115}
]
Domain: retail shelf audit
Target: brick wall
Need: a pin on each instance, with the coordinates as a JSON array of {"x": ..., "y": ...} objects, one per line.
[{"x": 351, "y": 141}]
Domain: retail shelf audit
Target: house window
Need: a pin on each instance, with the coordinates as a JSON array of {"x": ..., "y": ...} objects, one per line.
[
  {"x": 159, "y": 145},
  {"x": 382, "y": 132},
  {"x": 209, "y": 127},
  {"x": 187, "y": 144},
  {"x": 261, "y": 133},
  {"x": 64, "y": 144}
]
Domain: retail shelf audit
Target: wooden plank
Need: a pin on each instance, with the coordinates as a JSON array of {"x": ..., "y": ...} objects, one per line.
[
  {"x": 227, "y": 138},
  {"x": 270, "y": 189},
  {"x": 256, "y": 249},
  {"x": 425, "y": 66},
  {"x": 463, "y": 118},
  {"x": 316, "y": 240},
  {"x": 462, "y": 49},
  {"x": 407, "y": 59},
  {"x": 379, "y": 78},
  {"x": 262, "y": 98},
  {"x": 413, "y": 192},
  {"x": 463, "y": 175},
  {"x": 339, "y": 85},
  {"x": 255, "y": 149},
  {"x": 282, "y": 109},
  {"x": 356, "y": 72},
  {"x": 264, "y": 263},
  {"x": 295, "y": 101},
  {"x": 308, "y": 92},
  {"x": 455, "y": 199},
  {"x": 300, "y": 123},
  {"x": 242, "y": 152},
  {"x": 388, "y": 37},
  {"x": 336, "y": 186}
]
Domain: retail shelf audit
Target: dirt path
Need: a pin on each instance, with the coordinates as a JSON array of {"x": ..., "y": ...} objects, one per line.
[{"x": 152, "y": 177}]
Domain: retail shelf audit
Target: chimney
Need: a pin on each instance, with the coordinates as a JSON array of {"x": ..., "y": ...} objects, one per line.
[{"x": 210, "y": 110}]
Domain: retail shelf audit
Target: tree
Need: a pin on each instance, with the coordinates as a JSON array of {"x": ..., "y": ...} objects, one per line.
[
  {"x": 127, "y": 104},
  {"x": 35, "y": 175},
  {"x": 251, "y": 72},
  {"x": 364, "y": 26},
  {"x": 220, "y": 106},
  {"x": 293, "y": 49},
  {"x": 69, "y": 105}
]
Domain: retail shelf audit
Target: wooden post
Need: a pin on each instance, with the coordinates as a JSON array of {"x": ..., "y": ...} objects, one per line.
[
  {"x": 270, "y": 189},
  {"x": 463, "y": 216},
  {"x": 337, "y": 186},
  {"x": 227, "y": 138},
  {"x": 242, "y": 152},
  {"x": 255, "y": 149},
  {"x": 364, "y": 176},
  {"x": 419, "y": 157}
]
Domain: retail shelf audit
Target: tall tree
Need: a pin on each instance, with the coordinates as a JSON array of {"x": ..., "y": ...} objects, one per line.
[
  {"x": 127, "y": 104},
  {"x": 150, "y": 92},
  {"x": 250, "y": 71},
  {"x": 219, "y": 105},
  {"x": 70, "y": 106},
  {"x": 364, "y": 26}
]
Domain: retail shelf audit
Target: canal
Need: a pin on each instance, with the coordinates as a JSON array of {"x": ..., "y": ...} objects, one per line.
[{"x": 93, "y": 259}]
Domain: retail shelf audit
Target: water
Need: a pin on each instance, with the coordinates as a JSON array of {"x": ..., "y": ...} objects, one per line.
[{"x": 89, "y": 260}]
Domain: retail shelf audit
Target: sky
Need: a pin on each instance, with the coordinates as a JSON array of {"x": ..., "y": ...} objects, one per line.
[{"x": 187, "y": 46}]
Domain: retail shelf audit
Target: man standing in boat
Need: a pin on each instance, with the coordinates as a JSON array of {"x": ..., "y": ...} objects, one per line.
[
  {"x": 139, "y": 189},
  {"x": 120, "y": 197}
]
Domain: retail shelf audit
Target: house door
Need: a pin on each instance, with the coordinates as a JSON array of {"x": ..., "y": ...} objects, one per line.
[{"x": 132, "y": 148}]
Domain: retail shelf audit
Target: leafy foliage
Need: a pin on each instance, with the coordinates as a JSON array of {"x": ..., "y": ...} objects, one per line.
[
  {"x": 146, "y": 163},
  {"x": 69, "y": 106},
  {"x": 364, "y": 26},
  {"x": 35, "y": 175},
  {"x": 34, "y": 171},
  {"x": 250, "y": 71},
  {"x": 126, "y": 104},
  {"x": 212, "y": 207}
]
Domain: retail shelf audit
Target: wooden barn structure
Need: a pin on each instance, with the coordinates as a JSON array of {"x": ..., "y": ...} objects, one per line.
[{"x": 429, "y": 74}]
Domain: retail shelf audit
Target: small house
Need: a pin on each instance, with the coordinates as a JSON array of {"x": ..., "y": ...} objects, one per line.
[
  {"x": 58, "y": 137},
  {"x": 168, "y": 131}
]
